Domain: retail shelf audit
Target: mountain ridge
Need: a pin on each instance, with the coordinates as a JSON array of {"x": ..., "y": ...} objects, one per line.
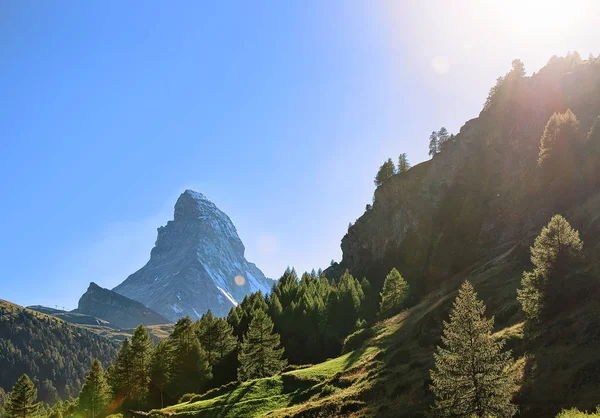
[{"x": 197, "y": 264}]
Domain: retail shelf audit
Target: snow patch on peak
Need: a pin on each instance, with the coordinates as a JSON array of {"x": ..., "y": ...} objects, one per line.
[{"x": 228, "y": 296}]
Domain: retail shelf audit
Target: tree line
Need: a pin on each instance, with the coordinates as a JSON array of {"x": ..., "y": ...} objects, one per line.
[
  {"x": 303, "y": 320},
  {"x": 439, "y": 141}
]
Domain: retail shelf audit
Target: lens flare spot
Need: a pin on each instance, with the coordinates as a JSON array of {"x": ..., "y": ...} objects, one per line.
[{"x": 239, "y": 280}]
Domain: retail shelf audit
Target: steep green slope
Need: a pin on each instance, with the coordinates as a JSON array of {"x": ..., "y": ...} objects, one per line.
[
  {"x": 471, "y": 212},
  {"x": 267, "y": 396},
  {"x": 47, "y": 348},
  {"x": 389, "y": 374}
]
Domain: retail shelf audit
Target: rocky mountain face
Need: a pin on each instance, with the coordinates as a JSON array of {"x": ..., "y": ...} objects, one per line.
[
  {"x": 485, "y": 192},
  {"x": 115, "y": 310},
  {"x": 196, "y": 264}
]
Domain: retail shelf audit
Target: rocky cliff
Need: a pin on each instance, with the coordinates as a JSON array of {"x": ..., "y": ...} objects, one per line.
[
  {"x": 119, "y": 311},
  {"x": 196, "y": 264},
  {"x": 485, "y": 191}
]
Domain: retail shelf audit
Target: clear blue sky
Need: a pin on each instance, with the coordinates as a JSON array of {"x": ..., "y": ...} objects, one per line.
[{"x": 279, "y": 112}]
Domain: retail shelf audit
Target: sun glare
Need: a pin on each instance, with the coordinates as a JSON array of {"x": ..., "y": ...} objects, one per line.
[{"x": 533, "y": 20}]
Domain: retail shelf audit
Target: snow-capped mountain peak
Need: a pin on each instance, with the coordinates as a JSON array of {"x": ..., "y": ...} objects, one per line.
[{"x": 197, "y": 264}]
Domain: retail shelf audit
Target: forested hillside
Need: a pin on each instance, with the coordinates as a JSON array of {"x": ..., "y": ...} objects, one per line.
[
  {"x": 472, "y": 212},
  {"x": 54, "y": 354}
]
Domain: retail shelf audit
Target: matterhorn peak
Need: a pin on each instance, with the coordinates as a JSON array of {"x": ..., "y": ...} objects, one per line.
[{"x": 197, "y": 264}]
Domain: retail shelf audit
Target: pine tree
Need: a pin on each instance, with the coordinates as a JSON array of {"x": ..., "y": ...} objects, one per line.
[
  {"x": 120, "y": 373},
  {"x": 403, "y": 164},
  {"x": 159, "y": 371},
  {"x": 94, "y": 395},
  {"x": 20, "y": 402},
  {"x": 556, "y": 145},
  {"x": 433, "y": 144},
  {"x": 472, "y": 375},
  {"x": 518, "y": 68},
  {"x": 443, "y": 137},
  {"x": 190, "y": 371},
  {"x": 216, "y": 337},
  {"x": 386, "y": 171},
  {"x": 555, "y": 251},
  {"x": 395, "y": 291},
  {"x": 260, "y": 355},
  {"x": 141, "y": 349}
]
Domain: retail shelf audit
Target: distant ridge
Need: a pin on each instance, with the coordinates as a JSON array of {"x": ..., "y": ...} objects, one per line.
[{"x": 119, "y": 311}]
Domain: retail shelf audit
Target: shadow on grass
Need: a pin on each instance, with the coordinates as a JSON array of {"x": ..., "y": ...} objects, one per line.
[
  {"x": 230, "y": 401},
  {"x": 354, "y": 357}
]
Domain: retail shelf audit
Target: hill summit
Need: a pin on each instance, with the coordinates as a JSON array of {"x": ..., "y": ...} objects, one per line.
[{"x": 196, "y": 264}]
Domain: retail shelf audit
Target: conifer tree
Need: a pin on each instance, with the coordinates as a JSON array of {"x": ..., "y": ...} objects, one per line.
[
  {"x": 433, "y": 144},
  {"x": 190, "y": 371},
  {"x": 472, "y": 375},
  {"x": 216, "y": 337},
  {"x": 443, "y": 137},
  {"x": 21, "y": 400},
  {"x": 159, "y": 371},
  {"x": 386, "y": 171},
  {"x": 555, "y": 251},
  {"x": 94, "y": 395},
  {"x": 558, "y": 141},
  {"x": 403, "y": 164},
  {"x": 518, "y": 68},
  {"x": 395, "y": 291},
  {"x": 260, "y": 355},
  {"x": 120, "y": 373},
  {"x": 141, "y": 349}
]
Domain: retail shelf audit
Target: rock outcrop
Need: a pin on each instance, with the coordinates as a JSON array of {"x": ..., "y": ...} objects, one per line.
[
  {"x": 117, "y": 310},
  {"x": 196, "y": 264}
]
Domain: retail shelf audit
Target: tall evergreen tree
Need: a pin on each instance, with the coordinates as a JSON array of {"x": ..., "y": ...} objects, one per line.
[
  {"x": 518, "y": 68},
  {"x": 472, "y": 375},
  {"x": 216, "y": 337},
  {"x": 260, "y": 355},
  {"x": 558, "y": 143},
  {"x": 386, "y": 171},
  {"x": 433, "y": 144},
  {"x": 555, "y": 251},
  {"x": 95, "y": 393},
  {"x": 21, "y": 400},
  {"x": 395, "y": 291},
  {"x": 120, "y": 373},
  {"x": 403, "y": 164},
  {"x": 443, "y": 137},
  {"x": 159, "y": 372},
  {"x": 141, "y": 349},
  {"x": 190, "y": 370}
]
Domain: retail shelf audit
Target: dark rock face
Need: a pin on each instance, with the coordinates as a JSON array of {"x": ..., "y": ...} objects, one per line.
[
  {"x": 484, "y": 192},
  {"x": 118, "y": 310},
  {"x": 196, "y": 264}
]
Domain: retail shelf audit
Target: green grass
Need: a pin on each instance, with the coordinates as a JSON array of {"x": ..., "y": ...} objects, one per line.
[
  {"x": 340, "y": 364},
  {"x": 261, "y": 396}
]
